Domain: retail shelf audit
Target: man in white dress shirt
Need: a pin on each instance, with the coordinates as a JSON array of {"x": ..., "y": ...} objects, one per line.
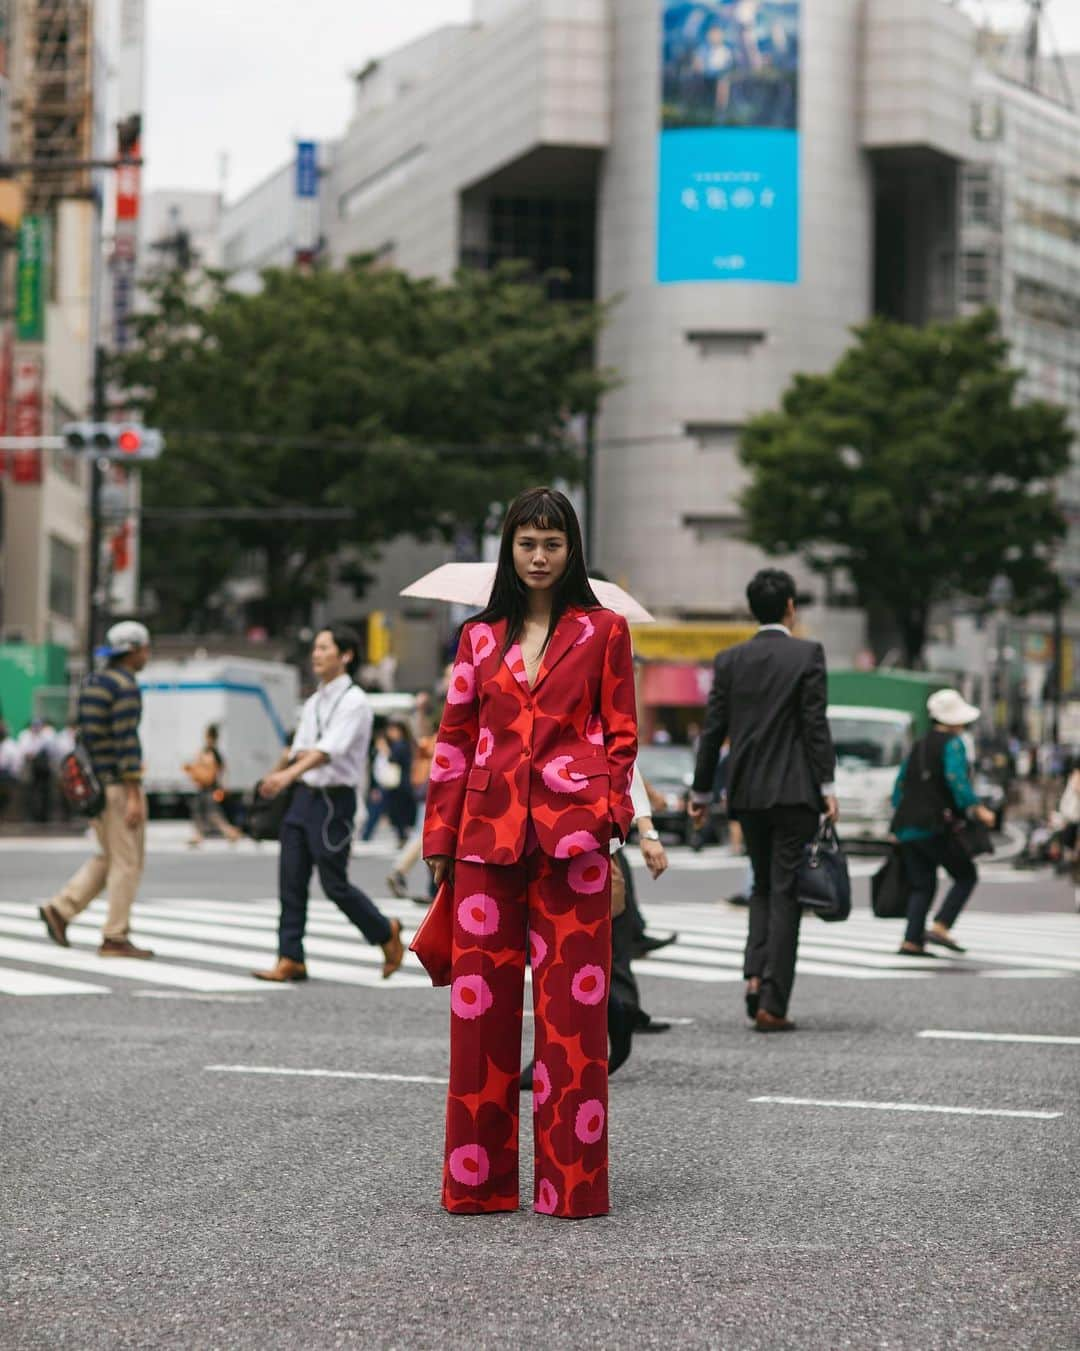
[{"x": 327, "y": 762}]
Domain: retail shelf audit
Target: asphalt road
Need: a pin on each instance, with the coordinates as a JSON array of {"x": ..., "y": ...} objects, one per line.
[{"x": 152, "y": 1198}]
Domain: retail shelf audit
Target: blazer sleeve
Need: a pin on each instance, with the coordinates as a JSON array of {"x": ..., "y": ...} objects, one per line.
[
  {"x": 714, "y": 732},
  {"x": 618, "y": 711},
  {"x": 813, "y": 701},
  {"x": 452, "y": 758}
]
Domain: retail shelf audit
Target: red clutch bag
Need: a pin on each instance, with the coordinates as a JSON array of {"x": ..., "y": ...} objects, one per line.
[{"x": 434, "y": 939}]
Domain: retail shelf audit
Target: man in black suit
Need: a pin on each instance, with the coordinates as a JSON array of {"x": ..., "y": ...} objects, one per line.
[{"x": 769, "y": 696}]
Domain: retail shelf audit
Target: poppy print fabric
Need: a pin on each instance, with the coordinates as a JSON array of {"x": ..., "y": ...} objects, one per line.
[
  {"x": 527, "y": 786},
  {"x": 557, "y": 755},
  {"x": 561, "y": 906}
]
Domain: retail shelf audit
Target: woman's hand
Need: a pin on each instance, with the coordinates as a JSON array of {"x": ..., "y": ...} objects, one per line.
[
  {"x": 442, "y": 868},
  {"x": 655, "y": 856}
]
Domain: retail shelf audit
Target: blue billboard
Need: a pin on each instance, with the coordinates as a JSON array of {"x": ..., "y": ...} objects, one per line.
[{"x": 728, "y": 171}]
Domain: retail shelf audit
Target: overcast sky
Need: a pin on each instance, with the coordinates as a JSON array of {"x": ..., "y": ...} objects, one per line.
[{"x": 246, "y": 78}]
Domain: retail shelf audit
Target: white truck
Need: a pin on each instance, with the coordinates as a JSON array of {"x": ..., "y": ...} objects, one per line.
[
  {"x": 871, "y": 744},
  {"x": 252, "y": 703}
]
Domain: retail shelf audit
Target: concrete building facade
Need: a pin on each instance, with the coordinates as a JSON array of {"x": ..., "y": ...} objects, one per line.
[{"x": 532, "y": 132}]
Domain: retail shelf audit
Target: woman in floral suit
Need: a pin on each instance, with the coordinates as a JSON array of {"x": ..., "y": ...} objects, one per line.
[{"x": 529, "y": 782}]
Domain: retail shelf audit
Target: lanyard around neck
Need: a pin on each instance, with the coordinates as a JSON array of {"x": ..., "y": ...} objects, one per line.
[{"x": 320, "y": 726}]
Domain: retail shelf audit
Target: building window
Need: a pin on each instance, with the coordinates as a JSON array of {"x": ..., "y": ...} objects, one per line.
[
  {"x": 63, "y": 562},
  {"x": 725, "y": 342},
  {"x": 715, "y": 527},
  {"x": 556, "y": 236},
  {"x": 715, "y": 435}
]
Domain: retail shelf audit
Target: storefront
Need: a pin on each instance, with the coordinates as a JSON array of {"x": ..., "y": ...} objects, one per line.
[{"x": 675, "y": 674}]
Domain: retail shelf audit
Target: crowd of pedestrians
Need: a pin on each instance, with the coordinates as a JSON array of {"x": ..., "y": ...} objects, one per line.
[{"x": 29, "y": 769}]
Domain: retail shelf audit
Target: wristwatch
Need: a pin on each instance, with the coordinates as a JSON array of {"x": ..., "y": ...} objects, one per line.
[{"x": 650, "y": 834}]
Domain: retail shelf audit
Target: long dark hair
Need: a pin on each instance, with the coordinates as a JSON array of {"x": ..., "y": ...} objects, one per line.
[{"x": 544, "y": 509}]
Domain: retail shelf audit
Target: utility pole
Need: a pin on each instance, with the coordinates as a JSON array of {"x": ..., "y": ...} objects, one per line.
[{"x": 94, "y": 607}]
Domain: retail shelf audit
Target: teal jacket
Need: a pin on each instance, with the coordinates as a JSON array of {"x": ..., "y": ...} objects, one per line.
[{"x": 958, "y": 778}]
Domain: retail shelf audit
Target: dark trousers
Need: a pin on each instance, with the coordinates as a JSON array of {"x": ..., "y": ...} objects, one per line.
[
  {"x": 922, "y": 858},
  {"x": 316, "y": 833},
  {"x": 775, "y": 840},
  {"x": 624, "y": 934}
]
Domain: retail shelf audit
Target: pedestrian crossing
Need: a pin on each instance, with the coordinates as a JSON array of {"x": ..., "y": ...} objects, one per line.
[{"x": 208, "y": 948}]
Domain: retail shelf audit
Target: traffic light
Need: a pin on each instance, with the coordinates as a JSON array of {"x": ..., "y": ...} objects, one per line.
[{"x": 124, "y": 442}]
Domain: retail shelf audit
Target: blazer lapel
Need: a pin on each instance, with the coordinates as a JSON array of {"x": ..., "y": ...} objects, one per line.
[
  {"x": 568, "y": 631},
  {"x": 512, "y": 658}
]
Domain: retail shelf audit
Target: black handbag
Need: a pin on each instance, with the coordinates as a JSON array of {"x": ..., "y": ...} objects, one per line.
[
  {"x": 264, "y": 816},
  {"x": 889, "y": 888},
  {"x": 824, "y": 884},
  {"x": 973, "y": 838}
]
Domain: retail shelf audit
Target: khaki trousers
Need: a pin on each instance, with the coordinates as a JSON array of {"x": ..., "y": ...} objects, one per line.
[{"x": 118, "y": 866}]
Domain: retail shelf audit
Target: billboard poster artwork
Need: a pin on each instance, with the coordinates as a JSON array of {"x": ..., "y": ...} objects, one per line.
[{"x": 728, "y": 158}]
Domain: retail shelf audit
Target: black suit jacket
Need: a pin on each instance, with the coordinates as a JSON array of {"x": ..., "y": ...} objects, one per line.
[{"x": 769, "y": 696}]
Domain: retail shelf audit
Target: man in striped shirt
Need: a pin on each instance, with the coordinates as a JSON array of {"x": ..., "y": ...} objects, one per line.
[{"x": 110, "y": 707}]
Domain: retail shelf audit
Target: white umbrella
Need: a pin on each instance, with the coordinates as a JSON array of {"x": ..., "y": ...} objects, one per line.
[{"x": 471, "y": 583}]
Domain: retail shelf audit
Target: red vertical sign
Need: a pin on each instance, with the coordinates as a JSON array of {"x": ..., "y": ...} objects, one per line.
[{"x": 27, "y": 400}]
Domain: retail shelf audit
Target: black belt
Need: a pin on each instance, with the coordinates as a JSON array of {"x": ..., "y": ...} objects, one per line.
[{"x": 331, "y": 788}]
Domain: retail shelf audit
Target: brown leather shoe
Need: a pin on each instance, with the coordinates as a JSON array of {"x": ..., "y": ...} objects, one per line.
[
  {"x": 123, "y": 947},
  {"x": 764, "y": 1021},
  {"x": 393, "y": 950},
  {"x": 56, "y": 924},
  {"x": 285, "y": 970}
]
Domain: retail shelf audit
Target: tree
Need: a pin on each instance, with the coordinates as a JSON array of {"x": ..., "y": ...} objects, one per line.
[
  {"x": 914, "y": 466},
  {"x": 409, "y": 404}
]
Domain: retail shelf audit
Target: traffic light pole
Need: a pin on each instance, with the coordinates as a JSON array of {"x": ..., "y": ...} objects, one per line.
[{"x": 93, "y": 606}]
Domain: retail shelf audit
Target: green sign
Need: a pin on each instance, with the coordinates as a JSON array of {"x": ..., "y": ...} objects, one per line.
[{"x": 30, "y": 290}]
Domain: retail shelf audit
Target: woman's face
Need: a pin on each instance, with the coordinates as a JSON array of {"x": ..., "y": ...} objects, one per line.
[{"x": 540, "y": 556}]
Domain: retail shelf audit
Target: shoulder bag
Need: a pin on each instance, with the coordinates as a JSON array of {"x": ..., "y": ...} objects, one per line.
[{"x": 79, "y": 783}]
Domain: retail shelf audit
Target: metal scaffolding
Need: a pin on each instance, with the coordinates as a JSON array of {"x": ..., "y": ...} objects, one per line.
[{"x": 52, "y": 106}]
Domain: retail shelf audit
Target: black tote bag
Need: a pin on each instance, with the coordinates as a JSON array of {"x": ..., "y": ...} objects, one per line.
[{"x": 889, "y": 888}]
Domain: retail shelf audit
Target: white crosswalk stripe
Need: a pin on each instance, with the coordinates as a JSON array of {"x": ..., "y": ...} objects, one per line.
[{"x": 208, "y": 946}]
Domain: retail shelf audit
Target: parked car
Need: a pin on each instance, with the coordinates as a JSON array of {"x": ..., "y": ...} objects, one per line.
[{"x": 669, "y": 773}]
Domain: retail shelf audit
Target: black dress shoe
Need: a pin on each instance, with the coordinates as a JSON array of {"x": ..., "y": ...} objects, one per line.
[
  {"x": 645, "y": 945},
  {"x": 651, "y": 1025},
  {"x": 620, "y": 1025},
  {"x": 753, "y": 997}
]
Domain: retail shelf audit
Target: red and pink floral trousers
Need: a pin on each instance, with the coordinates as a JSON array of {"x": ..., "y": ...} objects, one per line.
[{"x": 560, "y": 910}]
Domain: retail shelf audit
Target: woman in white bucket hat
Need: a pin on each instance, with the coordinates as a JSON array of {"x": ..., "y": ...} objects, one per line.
[{"x": 934, "y": 791}]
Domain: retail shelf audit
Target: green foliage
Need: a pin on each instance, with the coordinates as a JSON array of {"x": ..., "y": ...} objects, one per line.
[
  {"x": 913, "y": 465},
  {"x": 411, "y": 403}
]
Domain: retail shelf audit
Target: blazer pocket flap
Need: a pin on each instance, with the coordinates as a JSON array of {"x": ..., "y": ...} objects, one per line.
[
  {"x": 590, "y": 767},
  {"x": 479, "y": 778}
]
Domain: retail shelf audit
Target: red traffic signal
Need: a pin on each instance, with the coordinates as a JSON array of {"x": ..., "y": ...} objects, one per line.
[{"x": 122, "y": 441}]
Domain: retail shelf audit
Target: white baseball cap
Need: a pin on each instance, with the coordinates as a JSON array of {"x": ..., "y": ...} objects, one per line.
[
  {"x": 951, "y": 709},
  {"x": 126, "y": 637}
]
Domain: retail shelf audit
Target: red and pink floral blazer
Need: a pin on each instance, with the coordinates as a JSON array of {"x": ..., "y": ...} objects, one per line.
[{"x": 559, "y": 754}]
